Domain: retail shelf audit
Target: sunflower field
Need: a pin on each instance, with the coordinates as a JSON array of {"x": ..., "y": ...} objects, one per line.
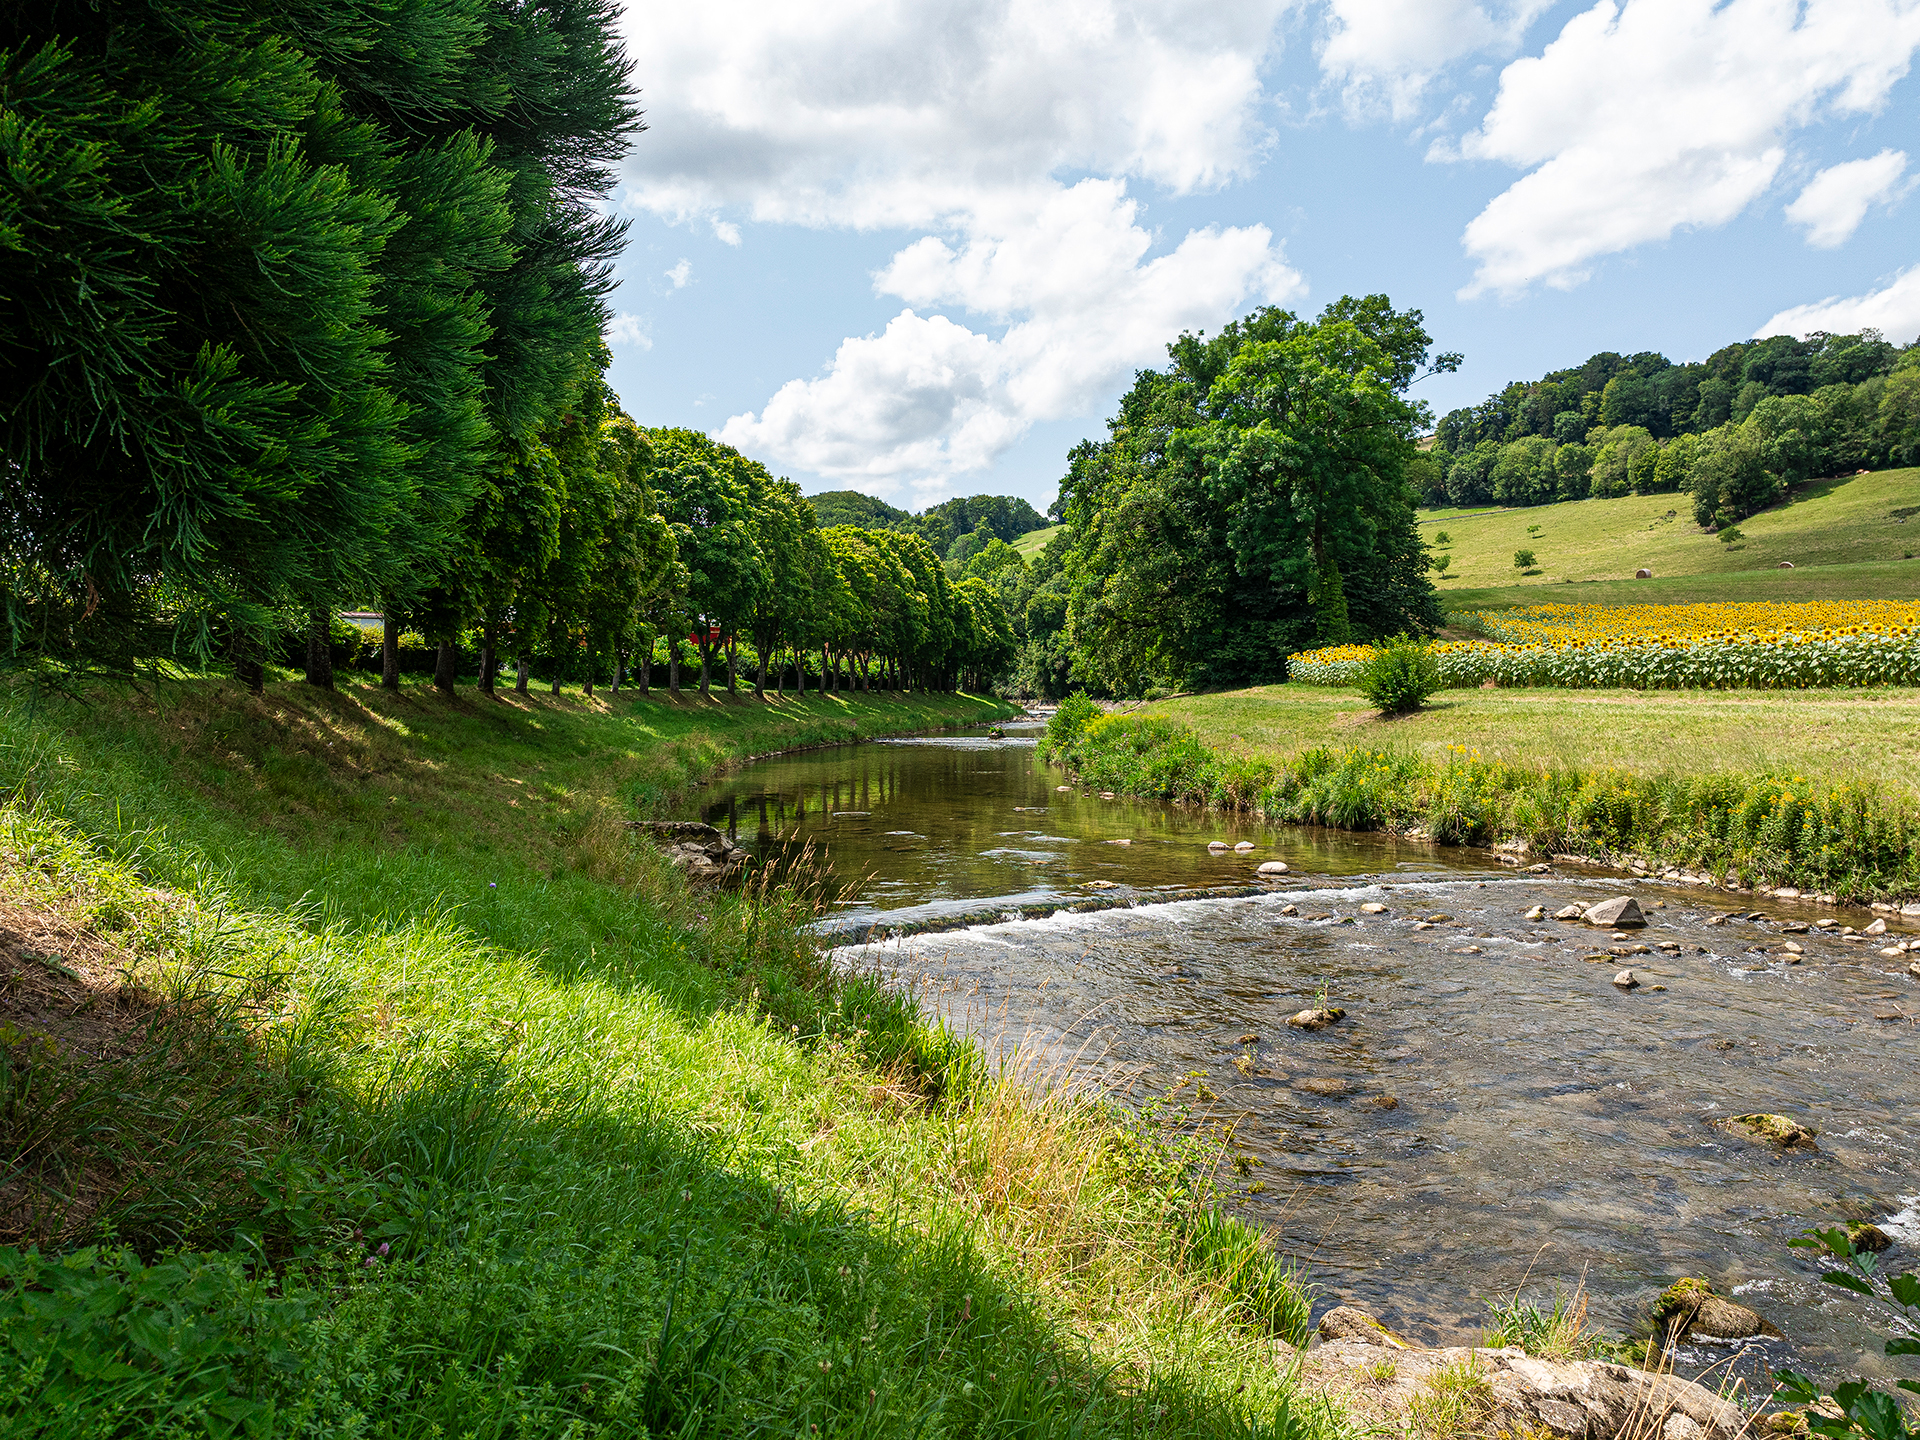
[{"x": 1758, "y": 645}]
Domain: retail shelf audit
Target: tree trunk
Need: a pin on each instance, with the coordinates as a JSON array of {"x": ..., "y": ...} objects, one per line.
[
  {"x": 823, "y": 669},
  {"x": 389, "y": 650},
  {"x": 760, "y": 672},
  {"x": 443, "y": 667},
  {"x": 251, "y": 673},
  {"x": 673, "y": 667},
  {"x": 486, "y": 661},
  {"x": 619, "y": 667},
  {"x": 319, "y": 651},
  {"x": 706, "y": 669},
  {"x": 592, "y": 661},
  {"x": 520, "y": 673},
  {"x": 644, "y": 672},
  {"x": 733, "y": 685}
]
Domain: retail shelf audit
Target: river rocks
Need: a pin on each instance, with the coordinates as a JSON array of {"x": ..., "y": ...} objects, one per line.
[
  {"x": 1878, "y": 927},
  {"x": 1250, "y": 1038},
  {"x": 1779, "y": 1130},
  {"x": 700, "y": 852},
  {"x": 1119, "y": 842},
  {"x": 1289, "y": 909},
  {"x": 1101, "y": 885},
  {"x": 1349, "y": 1322},
  {"x": 1217, "y": 847},
  {"x": 1568, "y": 912},
  {"x": 1688, "y": 1309},
  {"x": 1318, "y": 1018},
  {"x": 1866, "y": 1236},
  {"x": 1373, "y": 907},
  {"x": 1794, "y": 947},
  {"x": 1243, "y": 846},
  {"x": 1914, "y": 969},
  {"x": 1618, "y": 913},
  {"x": 1063, "y": 789},
  {"x": 1538, "y": 912},
  {"x": 1389, "y": 1388},
  {"x": 1626, "y": 980},
  {"x": 1385, "y": 1102},
  {"x": 1272, "y": 867}
]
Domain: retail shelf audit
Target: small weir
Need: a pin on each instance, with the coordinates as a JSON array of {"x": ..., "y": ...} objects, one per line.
[{"x": 1493, "y": 1113}]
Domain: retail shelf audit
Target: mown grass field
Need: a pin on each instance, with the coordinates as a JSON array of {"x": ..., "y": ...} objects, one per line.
[
  {"x": 468, "y": 1118},
  {"x": 1871, "y": 735},
  {"x": 1845, "y": 522}
]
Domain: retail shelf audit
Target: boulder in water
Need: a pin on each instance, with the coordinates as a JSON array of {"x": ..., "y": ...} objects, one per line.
[
  {"x": 1568, "y": 912},
  {"x": 1619, "y": 912},
  {"x": 1538, "y": 912},
  {"x": 1626, "y": 980},
  {"x": 1788, "y": 1134},
  {"x": 1243, "y": 846},
  {"x": 1866, "y": 1236},
  {"x": 1318, "y": 1018},
  {"x": 1272, "y": 867},
  {"x": 1217, "y": 846},
  {"x": 1373, "y": 907},
  {"x": 1688, "y": 1309}
]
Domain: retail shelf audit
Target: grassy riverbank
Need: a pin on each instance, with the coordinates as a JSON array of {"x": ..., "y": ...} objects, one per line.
[
  {"x": 1813, "y": 789},
  {"x": 467, "y": 1117}
]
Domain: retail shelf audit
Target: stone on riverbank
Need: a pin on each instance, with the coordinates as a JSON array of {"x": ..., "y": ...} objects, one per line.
[
  {"x": 1389, "y": 1389},
  {"x": 1349, "y": 1322},
  {"x": 1316, "y": 1019},
  {"x": 1272, "y": 867},
  {"x": 1778, "y": 1130},
  {"x": 1568, "y": 912},
  {"x": 1618, "y": 913},
  {"x": 1373, "y": 907},
  {"x": 707, "y": 856}
]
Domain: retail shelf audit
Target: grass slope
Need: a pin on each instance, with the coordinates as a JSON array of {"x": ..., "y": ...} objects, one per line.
[
  {"x": 1840, "y": 522},
  {"x": 1872, "y": 736},
  {"x": 1034, "y": 541},
  {"x": 472, "y": 1120}
]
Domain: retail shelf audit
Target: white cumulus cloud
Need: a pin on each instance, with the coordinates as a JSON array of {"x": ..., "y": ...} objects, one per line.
[
  {"x": 1835, "y": 201},
  {"x": 1386, "y": 54},
  {"x": 1647, "y": 116},
  {"x": 626, "y": 328},
  {"x": 680, "y": 274},
  {"x": 1894, "y": 310},
  {"x": 1068, "y": 273},
  {"x": 1005, "y": 134}
]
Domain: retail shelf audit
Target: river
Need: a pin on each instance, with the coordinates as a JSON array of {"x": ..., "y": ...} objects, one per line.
[{"x": 1492, "y": 1115}]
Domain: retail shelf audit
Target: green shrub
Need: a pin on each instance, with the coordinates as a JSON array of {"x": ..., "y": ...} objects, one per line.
[
  {"x": 1523, "y": 560},
  {"x": 1400, "y": 676},
  {"x": 1068, "y": 724},
  {"x": 1441, "y": 562},
  {"x": 1442, "y": 538}
]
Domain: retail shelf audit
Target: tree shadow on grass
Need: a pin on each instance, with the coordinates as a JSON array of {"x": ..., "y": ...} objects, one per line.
[{"x": 437, "y": 1256}]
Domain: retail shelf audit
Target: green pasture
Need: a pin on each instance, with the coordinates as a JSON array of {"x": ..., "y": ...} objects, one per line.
[{"x": 1849, "y": 522}]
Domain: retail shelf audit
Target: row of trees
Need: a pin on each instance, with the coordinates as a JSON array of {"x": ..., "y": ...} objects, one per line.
[
  {"x": 958, "y": 528},
  {"x": 1781, "y": 441},
  {"x": 1651, "y": 392},
  {"x": 302, "y": 308}
]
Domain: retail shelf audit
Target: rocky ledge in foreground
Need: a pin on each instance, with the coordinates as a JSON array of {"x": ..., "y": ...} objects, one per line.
[{"x": 1384, "y": 1381}]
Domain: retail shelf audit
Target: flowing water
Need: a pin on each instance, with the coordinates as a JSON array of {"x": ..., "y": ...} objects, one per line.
[{"x": 1493, "y": 1113}]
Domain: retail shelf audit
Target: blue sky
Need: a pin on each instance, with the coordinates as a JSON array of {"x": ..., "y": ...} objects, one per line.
[{"x": 918, "y": 249}]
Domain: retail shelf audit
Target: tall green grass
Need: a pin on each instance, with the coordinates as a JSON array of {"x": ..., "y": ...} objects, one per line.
[
  {"x": 1776, "y": 829},
  {"x": 515, "y": 1136}
]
